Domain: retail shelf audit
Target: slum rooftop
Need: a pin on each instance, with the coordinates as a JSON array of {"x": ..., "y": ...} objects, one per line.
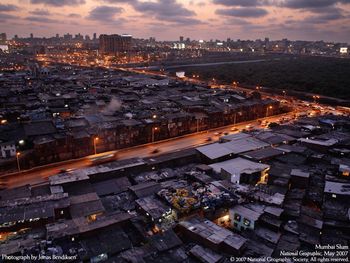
[{"x": 292, "y": 193}]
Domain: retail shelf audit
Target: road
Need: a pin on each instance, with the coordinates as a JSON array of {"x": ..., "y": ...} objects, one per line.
[
  {"x": 203, "y": 64},
  {"x": 39, "y": 175}
]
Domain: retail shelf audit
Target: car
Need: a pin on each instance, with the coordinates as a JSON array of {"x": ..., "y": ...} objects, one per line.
[
  {"x": 156, "y": 150},
  {"x": 234, "y": 129},
  {"x": 217, "y": 133},
  {"x": 103, "y": 159},
  {"x": 65, "y": 170},
  {"x": 209, "y": 139},
  {"x": 226, "y": 133}
]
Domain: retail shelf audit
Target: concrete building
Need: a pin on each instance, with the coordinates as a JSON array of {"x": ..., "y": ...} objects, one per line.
[
  {"x": 7, "y": 149},
  {"x": 240, "y": 171},
  {"x": 243, "y": 218},
  {"x": 114, "y": 44}
]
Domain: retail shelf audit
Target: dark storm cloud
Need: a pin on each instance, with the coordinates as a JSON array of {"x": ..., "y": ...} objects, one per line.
[
  {"x": 40, "y": 12},
  {"x": 8, "y": 8},
  {"x": 105, "y": 13},
  {"x": 242, "y": 12},
  {"x": 58, "y": 3},
  {"x": 41, "y": 19}
]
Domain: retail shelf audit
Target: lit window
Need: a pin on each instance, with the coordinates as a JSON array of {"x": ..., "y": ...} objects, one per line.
[
  {"x": 237, "y": 217},
  {"x": 246, "y": 222}
]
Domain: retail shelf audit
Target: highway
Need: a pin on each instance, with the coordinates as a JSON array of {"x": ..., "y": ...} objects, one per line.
[{"x": 40, "y": 174}]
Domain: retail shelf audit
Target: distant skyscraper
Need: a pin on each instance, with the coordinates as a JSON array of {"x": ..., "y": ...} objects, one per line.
[
  {"x": 31, "y": 35},
  {"x": 95, "y": 36},
  {"x": 181, "y": 39},
  {"x": 68, "y": 36},
  {"x": 57, "y": 36},
  {"x": 3, "y": 38},
  {"x": 112, "y": 44},
  {"x": 87, "y": 38},
  {"x": 79, "y": 37}
]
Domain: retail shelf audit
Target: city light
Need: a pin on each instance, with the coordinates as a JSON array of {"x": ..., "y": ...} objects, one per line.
[
  {"x": 18, "y": 163},
  {"x": 96, "y": 139},
  {"x": 127, "y": 144}
]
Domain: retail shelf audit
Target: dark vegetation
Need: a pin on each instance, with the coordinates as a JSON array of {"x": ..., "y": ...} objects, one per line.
[{"x": 321, "y": 75}]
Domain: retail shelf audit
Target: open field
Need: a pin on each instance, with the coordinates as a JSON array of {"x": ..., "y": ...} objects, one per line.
[{"x": 321, "y": 75}]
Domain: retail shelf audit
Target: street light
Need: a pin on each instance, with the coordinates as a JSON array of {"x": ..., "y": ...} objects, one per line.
[
  {"x": 95, "y": 141},
  {"x": 267, "y": 110},
  {"x": 153, "y": 130},
  {"x": 17, "y": 158},
  {"x": 154, "y": 116}
]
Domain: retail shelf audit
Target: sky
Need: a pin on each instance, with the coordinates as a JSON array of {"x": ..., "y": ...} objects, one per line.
[{"x": 327, "y": 20}]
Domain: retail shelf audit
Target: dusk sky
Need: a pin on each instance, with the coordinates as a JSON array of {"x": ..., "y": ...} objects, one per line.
[{"x": 168, "y": 19}]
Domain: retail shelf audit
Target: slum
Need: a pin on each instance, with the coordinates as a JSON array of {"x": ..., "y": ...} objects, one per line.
[
  {"x": 56, "y": 113},
  {"x": 271, "y": 190}
]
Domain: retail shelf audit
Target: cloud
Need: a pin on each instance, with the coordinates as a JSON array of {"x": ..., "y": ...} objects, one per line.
[
  {"x": 105, "y": 13},
  {"x": 237, "y": 2},
  {"x": 120, "y": 1},
  {"x": 324, "y": 18},
  {"x": 74, "y": 15},
  {"x": 233, "y": 21},
  {"x": 8, "y": 8},
  {"x": 163, "y": 10},
  {"x": 4, "y": 17},
  {"x": 167, "y": 10},
  {"x": 311, "y": 4},
  {"x": 59, "y": 3},
  {"x": 200, "y": 4},
  {"x": 40, "y": 12},
  {"x": 242, "y": 12},
  {"x": 41, "y": 19}
]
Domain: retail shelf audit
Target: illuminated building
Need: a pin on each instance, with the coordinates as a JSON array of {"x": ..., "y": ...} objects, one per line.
[
  {"x": 112, "y": 44},
  {"x": 343, "y": 50}
]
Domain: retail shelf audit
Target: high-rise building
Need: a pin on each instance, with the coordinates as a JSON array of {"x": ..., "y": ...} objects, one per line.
[
  {"x": 181, "y": 39},
  {"x": 57, "y": 36},
  {"x": 112, "y": 44},
  {"x": 31, "y": 35},
  {"x": 79, "y": 37},
  {"x": 67, "y": 36},
  {"x": 95, "y": 36},
  {"x": 3, "y": 38}
]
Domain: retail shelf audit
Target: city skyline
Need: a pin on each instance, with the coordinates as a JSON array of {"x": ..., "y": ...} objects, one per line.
[{"x": 166, "y": 20}]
